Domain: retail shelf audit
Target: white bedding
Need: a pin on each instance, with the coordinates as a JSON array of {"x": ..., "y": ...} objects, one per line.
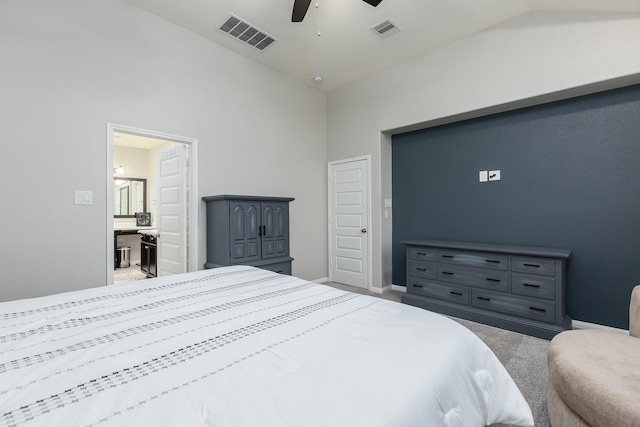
[{"x": 239, "y": 346}]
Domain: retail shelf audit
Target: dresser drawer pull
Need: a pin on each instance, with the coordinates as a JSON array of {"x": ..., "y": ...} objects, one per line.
[
  {"x": 417, "y": 286},
  {"x": 489, "y": 279},
  {"x": 448, "y": 273},
  {"x": 532, "y": 265},
  {"x": 421, "y": 253},
  {"x": 421, "y": 269},
  {"x": 447, "y": 256},
  {"x": 539, "y": 310},
  {"x": 484, "y": 298},
  {"x": 529, "y": 285},
  {"x": 456, "y": 293},
  {"x": 493, "y": 261}
]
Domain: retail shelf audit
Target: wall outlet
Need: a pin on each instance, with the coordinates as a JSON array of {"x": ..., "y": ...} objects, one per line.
[
  {"x": 494, "y": 175},
  {"x": 388, "y": 203},
  {"x": 483, "y": 176}
]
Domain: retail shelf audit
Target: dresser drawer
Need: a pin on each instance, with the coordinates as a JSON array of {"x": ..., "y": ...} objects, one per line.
[
  {"x": 473, "y": 276},
  {"x": 475, "y": 259},
  {"x": 424, "y": 269},
  {"x": 536, "y": 310},
  {"x": 533, "y": 286},
  {"x": 451, "y": 293},
  {"x": 422, "y": 254},
  {"x": 546, "y": 267}
]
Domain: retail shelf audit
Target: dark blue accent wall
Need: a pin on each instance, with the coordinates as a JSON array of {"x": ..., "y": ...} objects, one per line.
[{"x": 570, "y": 178}]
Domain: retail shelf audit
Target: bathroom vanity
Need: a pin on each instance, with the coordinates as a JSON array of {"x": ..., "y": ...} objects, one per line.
[
  {"x": 149, "y": 252},
  {"x": 121, "y": 231}
]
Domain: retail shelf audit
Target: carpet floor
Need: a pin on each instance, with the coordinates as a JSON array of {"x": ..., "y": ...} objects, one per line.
[{"x": 524, "y": 357}]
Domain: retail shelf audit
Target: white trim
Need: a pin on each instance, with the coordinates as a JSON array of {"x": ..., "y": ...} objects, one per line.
[
  {"x": 367, "y": 159},
  {"x": 193, "y": 190},
  {"x": 321, "y": 280},
  {"x": 579, "y": 324},
  {"x": 399, "y": 288}
]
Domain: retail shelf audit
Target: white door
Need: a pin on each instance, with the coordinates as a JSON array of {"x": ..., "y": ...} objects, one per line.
[
  {"x": 349, "y": 222},
  {"x": 172, "y": 211}
]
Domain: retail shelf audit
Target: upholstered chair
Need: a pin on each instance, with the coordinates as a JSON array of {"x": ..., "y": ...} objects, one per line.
[{"x": 594, "y": 375}]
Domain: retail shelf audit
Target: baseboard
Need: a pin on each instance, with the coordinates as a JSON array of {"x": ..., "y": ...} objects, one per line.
[
  {"x": 320, "y": 280},
  {"x": 389, "y": 289},
  {"x": 579, "y": 324}
]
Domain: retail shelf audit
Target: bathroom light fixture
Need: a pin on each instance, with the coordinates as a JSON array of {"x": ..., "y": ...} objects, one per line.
[{"x": 119, "y": 170}]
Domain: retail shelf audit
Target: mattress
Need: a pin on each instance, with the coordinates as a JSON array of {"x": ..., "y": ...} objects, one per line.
[{"x": 240, "y": 346}]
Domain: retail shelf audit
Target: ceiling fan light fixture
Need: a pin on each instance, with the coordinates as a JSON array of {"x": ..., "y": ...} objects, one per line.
[{"x": 300, "y": 8}]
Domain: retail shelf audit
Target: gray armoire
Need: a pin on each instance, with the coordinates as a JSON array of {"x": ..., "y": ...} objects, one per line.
[{"x": 248, "y": 230}]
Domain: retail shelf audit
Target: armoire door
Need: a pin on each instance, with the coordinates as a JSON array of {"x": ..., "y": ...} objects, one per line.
[
  {"x": 275, "y": 230},
  {"x": 245, "y": 232}
]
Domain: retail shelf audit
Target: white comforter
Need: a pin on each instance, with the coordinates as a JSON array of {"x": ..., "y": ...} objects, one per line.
[{"x": 239, "y": 346}]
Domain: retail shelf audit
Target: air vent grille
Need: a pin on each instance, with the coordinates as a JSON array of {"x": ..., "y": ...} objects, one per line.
[
  {"x": 247, "y": 33},
  {"x": 385, "y": 29}
]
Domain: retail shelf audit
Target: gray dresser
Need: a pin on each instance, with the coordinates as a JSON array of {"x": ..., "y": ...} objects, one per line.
[
  {"x": 519, "y": 288},
  {"x": 248, "y": 230}
]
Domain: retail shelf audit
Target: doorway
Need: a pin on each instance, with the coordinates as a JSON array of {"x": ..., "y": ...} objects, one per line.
[
  {"x": 349, "y": 219},
  {"x": 175, "y": 155}
]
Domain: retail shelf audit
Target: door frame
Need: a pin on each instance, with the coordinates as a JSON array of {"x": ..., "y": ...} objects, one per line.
[
  {"x": 193, "y": 190},
  {"x": 367, "y": 159}
]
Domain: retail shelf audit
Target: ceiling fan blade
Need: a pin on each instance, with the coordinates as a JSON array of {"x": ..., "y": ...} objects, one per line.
[
  {"x": 373, "y": 3},
  {"x": 300, "y": 8}
]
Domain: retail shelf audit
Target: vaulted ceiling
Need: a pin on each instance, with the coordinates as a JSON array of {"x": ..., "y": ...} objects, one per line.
[{"x": 335, "y": 44}]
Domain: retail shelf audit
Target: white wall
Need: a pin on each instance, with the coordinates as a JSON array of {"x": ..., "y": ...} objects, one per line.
[
  {"x": 533, "y": 58},
  {"x": 71, "y": 66}
]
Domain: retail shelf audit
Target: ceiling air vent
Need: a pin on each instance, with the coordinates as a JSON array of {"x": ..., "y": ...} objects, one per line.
[
  {"x": 385, "y": 28},
  {"x": 247, "y": 33}
]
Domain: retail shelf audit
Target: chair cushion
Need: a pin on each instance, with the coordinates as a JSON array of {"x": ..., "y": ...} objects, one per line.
[{"x": 597, "y": 375}]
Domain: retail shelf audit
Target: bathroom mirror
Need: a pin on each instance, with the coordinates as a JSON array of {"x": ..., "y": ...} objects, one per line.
[{"x": 129, "y": 197}]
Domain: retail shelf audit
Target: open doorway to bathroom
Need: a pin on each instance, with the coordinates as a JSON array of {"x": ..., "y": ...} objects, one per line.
[{"x": 152, "y": 204}]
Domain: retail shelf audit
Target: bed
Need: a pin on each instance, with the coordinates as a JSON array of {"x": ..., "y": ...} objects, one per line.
[{"x": 240, "y": 346}]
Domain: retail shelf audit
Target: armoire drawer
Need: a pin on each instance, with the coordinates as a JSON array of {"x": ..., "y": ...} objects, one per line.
[
  {"x": 280, "y": 268},
  {"x": 424, "y": 269},
  {"x": 423, "y": 254},
  {"x": 533, "y": 286},
  {"x": 451, "y": 293},
  {"x": 545, "y": 267},
  {"x": 473, "y": 276},
  {"x": 474, "y": 259},
  {"x": 531, "y": 309}
]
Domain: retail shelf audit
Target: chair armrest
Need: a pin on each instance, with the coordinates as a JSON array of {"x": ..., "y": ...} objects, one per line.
[{"x": 634, "y": 313}]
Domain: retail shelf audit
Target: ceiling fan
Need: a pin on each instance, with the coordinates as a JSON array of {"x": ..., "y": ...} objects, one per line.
[{"x": 300, "y": 8}]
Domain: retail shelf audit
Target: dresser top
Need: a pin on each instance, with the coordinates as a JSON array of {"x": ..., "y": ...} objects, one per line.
[{"x": 496, "y": 248}]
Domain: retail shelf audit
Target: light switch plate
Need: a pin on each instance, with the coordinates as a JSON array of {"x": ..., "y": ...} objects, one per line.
[
  {"x": 483, "y": 176},
  {"x": 494, "y": 175},
  {"x": 84, "y": 197}
]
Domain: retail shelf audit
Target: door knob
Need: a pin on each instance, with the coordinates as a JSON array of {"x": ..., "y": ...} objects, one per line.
[{"x": 364, "y": 230}]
